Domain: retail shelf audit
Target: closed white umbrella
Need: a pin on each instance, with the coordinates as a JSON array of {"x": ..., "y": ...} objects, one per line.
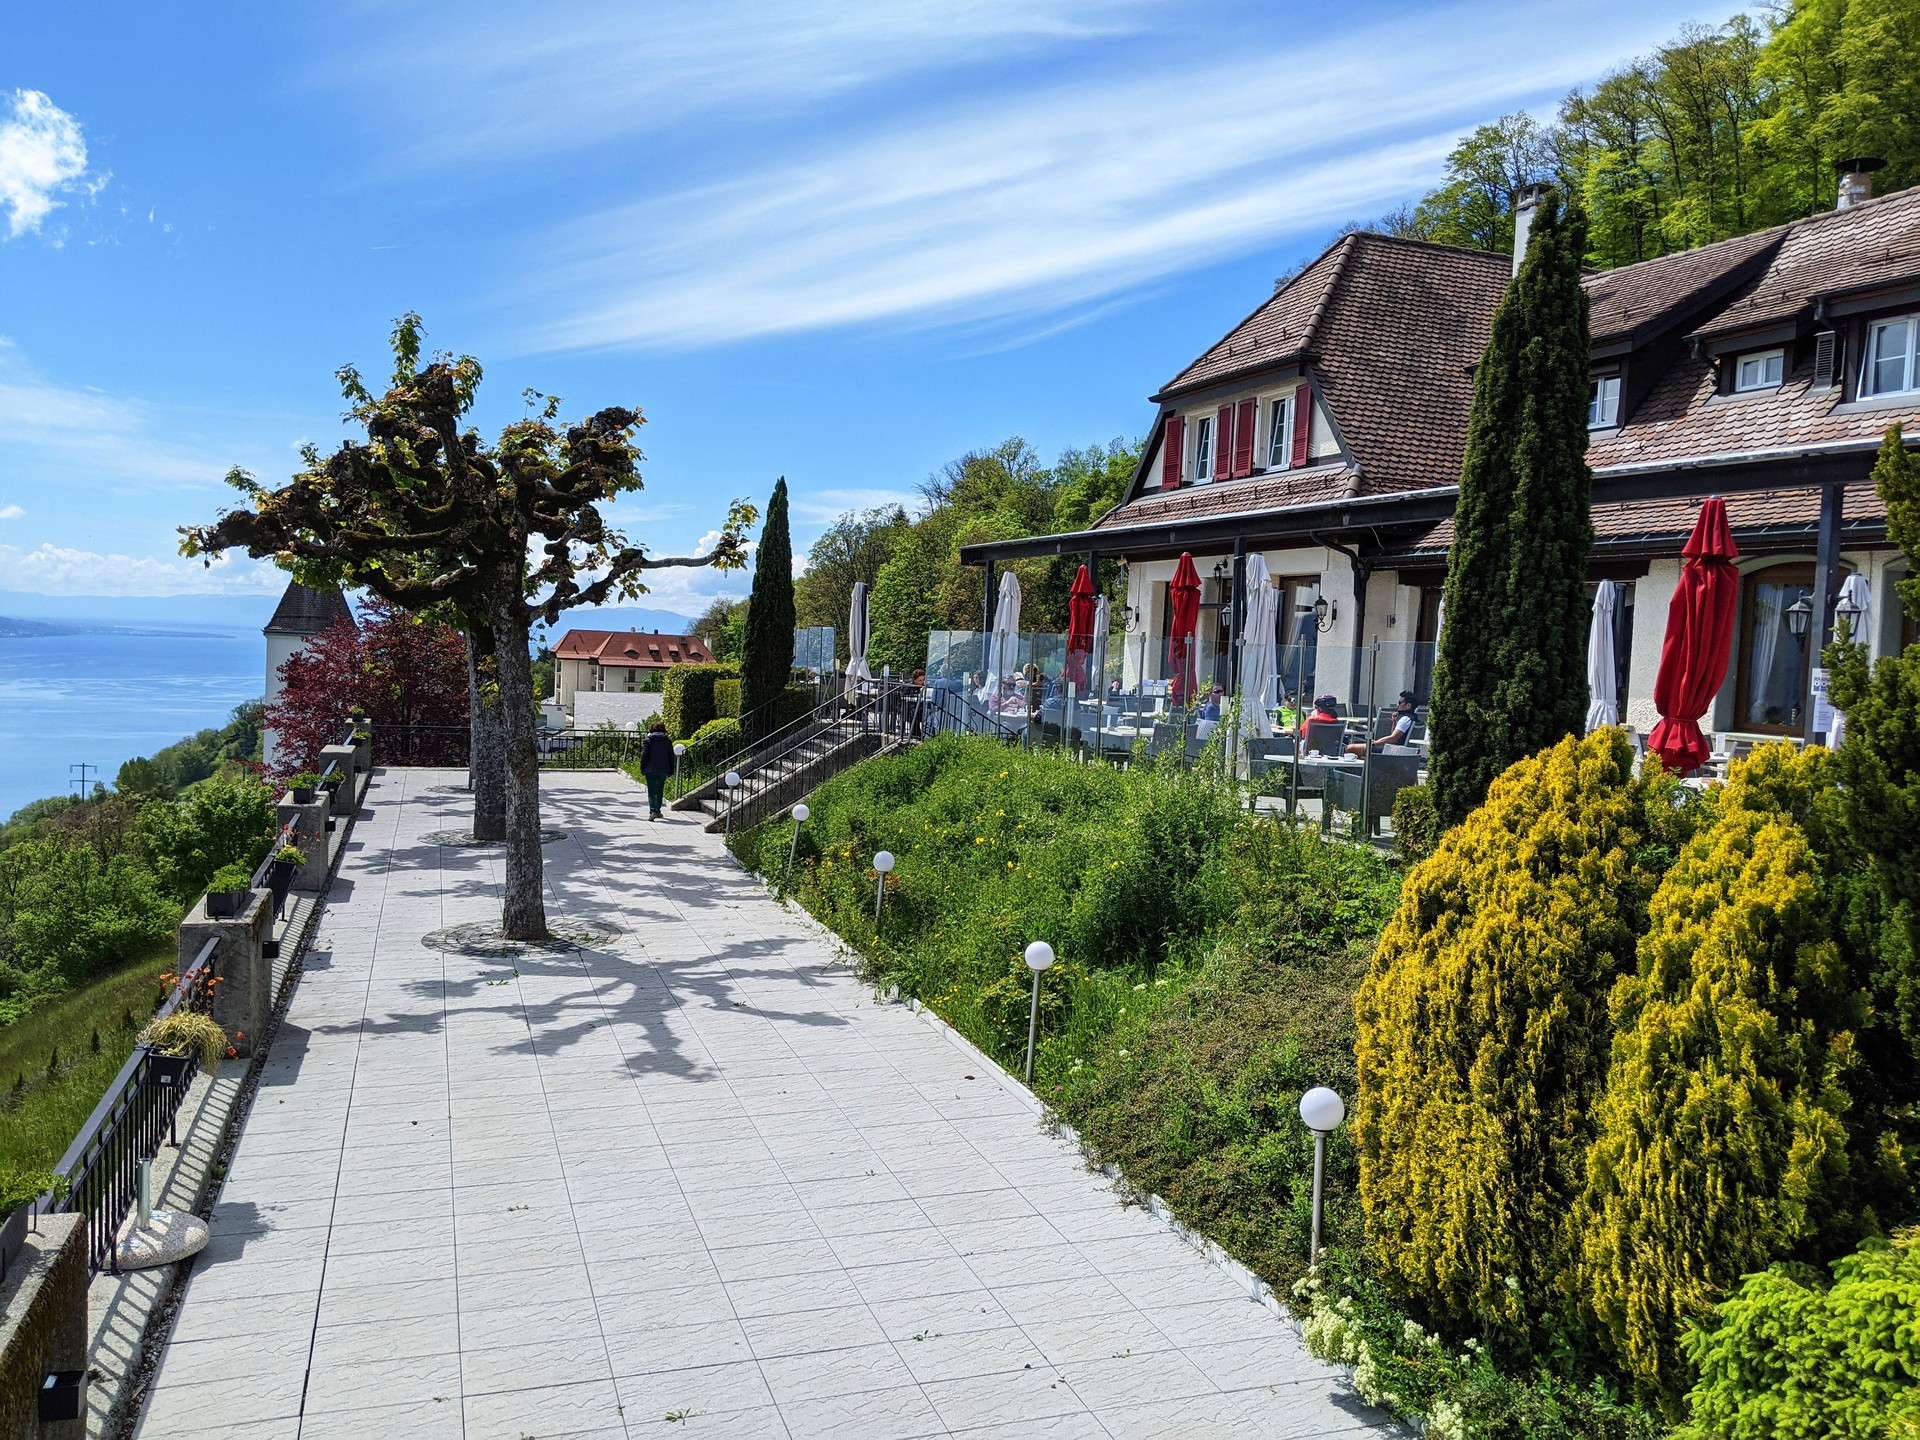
[
  {"x": 1256, "y": 651},
  {"x": 1097, "y": 661},
  {"x": 857, "y": 636},
  {"x": 1603, "y": 683},
  {"x": 1856, "y": 597},
  {"x": 1003, "y": 643}
]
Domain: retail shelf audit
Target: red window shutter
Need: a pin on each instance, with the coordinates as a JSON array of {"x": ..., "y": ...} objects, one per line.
[
  {"x": 1243, "y": 438},
  {"x": 1172, "y": 448},
  {"x": 1302, "y": 423},
  {"x": 1223, "y": 443}
]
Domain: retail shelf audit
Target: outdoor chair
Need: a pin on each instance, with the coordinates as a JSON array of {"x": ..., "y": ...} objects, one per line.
[{"x": 1326, "y": 737}]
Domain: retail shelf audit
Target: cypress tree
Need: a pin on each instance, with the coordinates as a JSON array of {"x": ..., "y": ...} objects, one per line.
[
  {"x": 1509, "y": 680},
  {"x": 768, "y": 663}
]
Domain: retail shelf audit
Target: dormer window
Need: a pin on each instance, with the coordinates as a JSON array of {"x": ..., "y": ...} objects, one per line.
[
  {"x": 1603, "y": 403},
  {"x": 1280, "y": 434},
  {"x": 1888, "y": 366},
  {"x": 1203, "y": 448},
  {"x": 1762, "y": 370}
]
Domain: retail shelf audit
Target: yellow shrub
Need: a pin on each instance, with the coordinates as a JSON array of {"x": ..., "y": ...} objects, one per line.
[
  {"x": 1720, "y": 1135},
  {"x": 1483, "y": 1035}
]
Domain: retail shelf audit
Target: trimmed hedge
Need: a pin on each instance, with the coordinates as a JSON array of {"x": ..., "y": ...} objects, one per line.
[
  {"x": 686, "y": 701},
  {"x": 726, "y": 699},
  {"x": 712, "y": 743}
]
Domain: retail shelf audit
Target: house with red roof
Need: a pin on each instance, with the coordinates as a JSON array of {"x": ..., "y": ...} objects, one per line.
[
  {"x": 1325, "y": 432},
  {"x": 616, "y": 662}
]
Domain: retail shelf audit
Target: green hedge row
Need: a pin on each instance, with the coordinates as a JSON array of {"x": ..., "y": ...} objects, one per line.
[
  {"x": 726, "y": 699},
  {"x": 687, "y": 699}
]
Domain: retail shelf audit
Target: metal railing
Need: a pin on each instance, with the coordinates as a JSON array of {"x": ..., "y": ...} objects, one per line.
[
  {"x": 102, "y": 1165},
  {"x": 768, "y": 764}
]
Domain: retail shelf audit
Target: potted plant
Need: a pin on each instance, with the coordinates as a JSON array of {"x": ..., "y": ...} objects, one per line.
[
  {"x": 228, "y": 891},
  {"x": 286, "y": 862},
  {"x": 303, "y": 786},
  {"x": 175, "y": 1043}
]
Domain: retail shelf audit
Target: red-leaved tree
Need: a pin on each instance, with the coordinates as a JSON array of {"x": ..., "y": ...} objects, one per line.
[{"x": 404, "y": 672}]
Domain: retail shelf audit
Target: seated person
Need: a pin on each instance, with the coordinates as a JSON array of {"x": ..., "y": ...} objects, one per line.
[
  {"x": 1397, "y": 732},
  {"x": 1211, "y": 709},
  {"x": 1326, "y": 711}
]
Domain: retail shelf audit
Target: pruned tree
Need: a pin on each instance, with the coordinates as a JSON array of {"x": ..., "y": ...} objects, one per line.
[
  {"x": 500, "y": 535},
  {"x": 767, "y": 659}
]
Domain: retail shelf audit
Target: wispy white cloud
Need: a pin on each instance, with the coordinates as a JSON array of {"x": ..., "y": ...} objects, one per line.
[
  {"x": 42, "y": 155},
  {"x": 1058, "y": 197},
  {"x": 823, "y": 507},
  {"x": 512, "y": 82},
  {"x": 55, "y": 434},
  {"x": 11, "y": 512},
  {"x": 49, "y": 569}
]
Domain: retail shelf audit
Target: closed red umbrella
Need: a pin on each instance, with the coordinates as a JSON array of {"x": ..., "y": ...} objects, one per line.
[
  {"x": 1185, "y": 597},
  {"x": 1079, "y": 628},
  {"x": 1699, "y": 643}
]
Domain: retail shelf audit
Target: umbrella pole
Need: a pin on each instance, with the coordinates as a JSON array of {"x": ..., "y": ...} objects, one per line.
[
  {"x": 1366, "y": 742},
  {"x": 1299, "y": 733}
]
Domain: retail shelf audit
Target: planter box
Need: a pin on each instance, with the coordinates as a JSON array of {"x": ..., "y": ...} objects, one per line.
[
  {"x": 303, "y": 794},
  {"x": 225, "y": 904},
  {"x": 280, "y": 880},
  {"x": 13, "y": 1234},
  {"x": 168, "y": 1070}
]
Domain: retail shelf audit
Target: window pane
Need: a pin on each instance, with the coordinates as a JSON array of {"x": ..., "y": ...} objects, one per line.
[
  {"x": 1279, "y": 452},
  {"x": 1773, "y": 369},
  {"x": 1776, "y": 660},
  {"x": 1603, "y": 402},
  {"x": 1202, "y": 449},
  {"x": 1887, "y": 357}
]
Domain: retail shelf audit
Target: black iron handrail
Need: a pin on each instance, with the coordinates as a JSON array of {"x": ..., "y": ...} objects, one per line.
[
  {"x": 284, "y": 836},
  {"x": 102, "y": 1165}
]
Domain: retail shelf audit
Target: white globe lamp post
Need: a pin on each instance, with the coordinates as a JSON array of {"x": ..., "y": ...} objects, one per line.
[
  {"x": 800, "y": 813},
  {"x": 883, "y": 867},
  {"x": 732, "y": 782},
  {"x": 1321, "y": 1110},
  {"x": 1039, "y": 958},
  {"x": 679, "y": 753}
]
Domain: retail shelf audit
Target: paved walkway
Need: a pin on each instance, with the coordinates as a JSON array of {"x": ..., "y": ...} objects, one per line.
[{"x": 696, "y": 1181}]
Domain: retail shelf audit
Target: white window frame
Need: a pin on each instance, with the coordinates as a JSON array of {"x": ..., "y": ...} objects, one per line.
[
  {"x": 1204, "y": 444},
  {"x": 1742, "y": 383},
  {"x": 1912, "y": 322},
  {"x": 1280, "y": 431},
  {"x": 1600, "y": 414}
]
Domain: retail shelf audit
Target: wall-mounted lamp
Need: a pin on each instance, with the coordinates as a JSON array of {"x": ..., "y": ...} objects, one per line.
[
  {"x": 1324, "y": 614},
  {"x": 1800, "y": 618}
]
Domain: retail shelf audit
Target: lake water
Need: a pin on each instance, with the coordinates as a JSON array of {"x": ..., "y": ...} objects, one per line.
[{"x": 105, "y": 694}]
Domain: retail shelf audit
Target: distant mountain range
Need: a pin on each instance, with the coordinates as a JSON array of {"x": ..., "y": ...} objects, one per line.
[{"x": 23, "y": 614}]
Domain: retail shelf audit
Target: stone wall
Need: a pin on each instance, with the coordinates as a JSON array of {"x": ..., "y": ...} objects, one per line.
[{"x": 43, "y": 1325}]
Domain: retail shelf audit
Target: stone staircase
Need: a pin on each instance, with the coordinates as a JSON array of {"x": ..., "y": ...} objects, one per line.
[{"x": 796, "y": 765}]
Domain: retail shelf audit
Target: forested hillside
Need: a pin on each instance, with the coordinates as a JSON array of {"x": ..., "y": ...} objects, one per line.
[{"x": 1720, "y": 132}]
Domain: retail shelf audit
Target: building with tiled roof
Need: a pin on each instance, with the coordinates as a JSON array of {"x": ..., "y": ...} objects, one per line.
[
  {"x": 1325, "y": 432},
  {"x": 302, "y": 614},
  {"x": 617, "y": 662}
]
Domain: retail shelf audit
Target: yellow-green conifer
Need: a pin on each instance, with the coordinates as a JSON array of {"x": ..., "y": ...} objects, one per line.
[
  {"x": 1483, "y": 1035},
  {"x": 1721, "y": 1136}
]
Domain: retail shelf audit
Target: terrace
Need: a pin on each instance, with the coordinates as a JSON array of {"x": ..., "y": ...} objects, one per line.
[{"x": 682, "y": 1170}]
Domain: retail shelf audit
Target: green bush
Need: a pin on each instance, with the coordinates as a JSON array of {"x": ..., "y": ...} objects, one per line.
[
  {"x": 229, "y": 878},
  {"x": 1416, "y": 824},
  {"x": 712, "y": 743},
  {"x": 1722, "y": 1138},
  {"x": 726, "y": 699},
  {"x": 1483, "y": 1038},
  {"x": 1790, "y": 1359},
  {"x": 686, "y": 696}
]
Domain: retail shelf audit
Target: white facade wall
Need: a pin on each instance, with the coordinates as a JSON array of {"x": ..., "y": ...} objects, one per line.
[
  {"x": 620, "y": 709},
  {"x": 280, "y": 649}
]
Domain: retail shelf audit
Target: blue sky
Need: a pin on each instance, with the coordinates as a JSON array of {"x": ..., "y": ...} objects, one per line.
[{"x": 841, "y": 243}]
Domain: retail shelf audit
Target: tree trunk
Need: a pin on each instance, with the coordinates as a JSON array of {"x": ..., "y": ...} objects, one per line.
[
  {"x": 524, "y": 912},
  {"x": 487, "y": 745}
]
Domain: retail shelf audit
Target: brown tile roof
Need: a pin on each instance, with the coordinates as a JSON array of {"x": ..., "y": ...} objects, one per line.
[
  {"x": 1626, "y": 299},
  {"x": 307, "y": 612},
  {"x": 1229, "y": 497},
  {"x": 1860, "y": 248},
  {"x": 1280, "y": 329},
  {"x": 1672, "y": 519},
  {"x": 1679, "y": 421},
  {"x": 644, "y": 651}
]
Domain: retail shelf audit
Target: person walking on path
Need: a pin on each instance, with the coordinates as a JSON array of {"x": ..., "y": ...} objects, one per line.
[{"x": 656, "y": 764}]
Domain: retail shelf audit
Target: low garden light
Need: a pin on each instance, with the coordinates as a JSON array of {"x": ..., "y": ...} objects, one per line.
[
  {"x": 1322, "y": 1111},
  {"x": 679, "y": 753},
  {"x": 732, "y": 782},
  {"x": 1039, "y": 957},
  {"x": 800, "y": 813},
  {"x": 883, "y": 866}
]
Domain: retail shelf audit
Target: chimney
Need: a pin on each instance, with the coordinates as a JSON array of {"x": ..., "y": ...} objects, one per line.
[
  {"x": 1524, "y": 204},
  {"x": 1856, "y": 180}
]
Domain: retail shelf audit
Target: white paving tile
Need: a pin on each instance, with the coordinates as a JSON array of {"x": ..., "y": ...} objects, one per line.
[{"x": 697, "y": 1173}]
